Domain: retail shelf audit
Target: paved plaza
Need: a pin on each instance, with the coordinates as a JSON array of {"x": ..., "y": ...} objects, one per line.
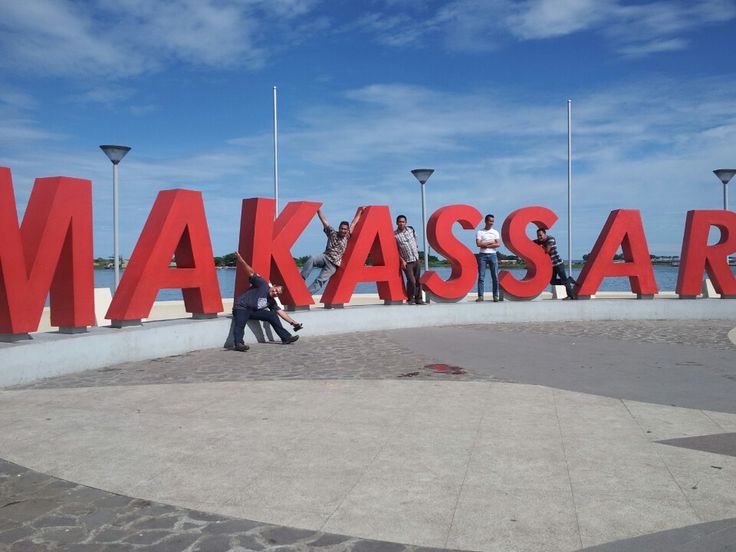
[{"x": 603, "y": 435}]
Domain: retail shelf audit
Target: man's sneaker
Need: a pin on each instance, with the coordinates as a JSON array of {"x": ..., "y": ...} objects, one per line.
[
  {"x": 290, "y": 339},
  {"x": 242, "y": 347},
  {"x": 479, "y": 300},
  {"x": 495, "y": 299}
]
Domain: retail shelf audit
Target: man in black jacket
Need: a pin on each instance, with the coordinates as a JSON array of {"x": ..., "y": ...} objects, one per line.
[{"x": 257, "y": 303}]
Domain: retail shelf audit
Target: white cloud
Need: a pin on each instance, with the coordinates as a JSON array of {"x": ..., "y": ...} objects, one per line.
[
  {"x": 59, "y": 38},
  {"x": 130, "y": 37},
  {"x": 654, "y": 47},
  {"x": 17, "y": 127},
  {"x": 106, "y": 95},
  {"x": 549, "y": 18},
  {"x": 481, "y": 25}
]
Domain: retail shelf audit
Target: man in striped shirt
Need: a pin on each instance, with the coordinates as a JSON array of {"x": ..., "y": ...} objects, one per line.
[
  {"x": 559, "y": 276},
  {"x": 406, "y": 240}
]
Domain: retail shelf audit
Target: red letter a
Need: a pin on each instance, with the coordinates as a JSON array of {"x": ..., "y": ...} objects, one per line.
[
  {"x": 266, "y": 245},
  {"x": 373, "y": 236},
  {"x": 176, "y": 227},
  {"x": 50, "y": 252},
  {"x": 698, "y": 257},
  {"x": 623, "y": 228}
]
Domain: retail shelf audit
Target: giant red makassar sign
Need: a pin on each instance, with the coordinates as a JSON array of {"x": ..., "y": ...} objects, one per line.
[{"x": 50, "y": 254}]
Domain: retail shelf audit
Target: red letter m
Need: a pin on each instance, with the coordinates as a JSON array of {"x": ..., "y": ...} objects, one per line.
[{"x": 50, "y": 253}]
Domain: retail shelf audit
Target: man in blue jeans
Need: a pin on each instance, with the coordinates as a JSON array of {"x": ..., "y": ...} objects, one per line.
[
  {"x": 489, "y": 241},
  {"x": 257, "y": 303}
]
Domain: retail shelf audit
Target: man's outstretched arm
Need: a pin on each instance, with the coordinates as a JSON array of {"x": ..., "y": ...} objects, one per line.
[
  {"x": 241, "y": 261},
  {"x": 322, "y": 218},
  {"x": 356, "y": 218}
]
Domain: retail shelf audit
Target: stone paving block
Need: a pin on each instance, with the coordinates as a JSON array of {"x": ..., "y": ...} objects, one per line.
[
  {"x": 15, "y": 534},
  {"x": 63, "y": 536},
  {"x": 111, "y": 534},
  {"x": 232, "y": 526},
  {"x": 55, "y": 521},
  {"x": 28, "y": 546},
  {"x": 213, "y": 544},
  {"x": 250, "y": 542}
]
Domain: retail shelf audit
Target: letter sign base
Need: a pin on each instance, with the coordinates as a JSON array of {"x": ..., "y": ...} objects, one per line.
[
  {"x": 204, "y": 315},
  {"x": 511, "y": 297},
  {"x": 389, "y": 302},
  {"x": 14, "y": 337},
  {"x": 294, "y": 308},
  {"x": 125, "y": 323},
  {"x": 430, "y": 297},
  {"x": 72, "y": 329},
  {"x": 334, "y": 305}
]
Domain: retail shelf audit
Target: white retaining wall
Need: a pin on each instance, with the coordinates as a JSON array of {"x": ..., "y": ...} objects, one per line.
[{"x": 52, "y": 354}]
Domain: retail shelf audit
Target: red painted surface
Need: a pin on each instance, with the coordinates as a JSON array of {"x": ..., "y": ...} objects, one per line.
[
  {"x": 698, "y": 257},
  {"x": 373, "y": 236},
  {"x": 623, "y": 229},
  {"x": 177, "y": 227},
  {"x": 462, "y": 260},
  {"x": 538, "y": 264},
  {"x": 51, "y": 252},
  {"x": 266, "y": 245}
]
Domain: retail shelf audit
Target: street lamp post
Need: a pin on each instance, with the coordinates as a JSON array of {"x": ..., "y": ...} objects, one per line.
[
  {"x": 275, "y": 152},
  {"x": 422, "y": 175},
  {"x": 115, "y": 154},
  {"x": 569, "y": 186},
  {"x": 724, "y": 175}
]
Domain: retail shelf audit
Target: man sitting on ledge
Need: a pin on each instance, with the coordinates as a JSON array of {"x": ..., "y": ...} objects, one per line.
[{"x": 258, "y": 303}]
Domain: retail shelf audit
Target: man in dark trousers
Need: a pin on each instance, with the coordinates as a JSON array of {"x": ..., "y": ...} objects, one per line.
[
  {"x": 559, "y": 276},
  {"x": 258, "y": 303},
  {"x": 406, "y": 240}
]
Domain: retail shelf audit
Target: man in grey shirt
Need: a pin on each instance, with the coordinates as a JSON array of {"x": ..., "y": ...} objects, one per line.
[{"x": 329, "y": 261}]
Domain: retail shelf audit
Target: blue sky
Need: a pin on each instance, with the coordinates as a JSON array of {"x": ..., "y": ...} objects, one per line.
[{"x": 369, "y": 90}]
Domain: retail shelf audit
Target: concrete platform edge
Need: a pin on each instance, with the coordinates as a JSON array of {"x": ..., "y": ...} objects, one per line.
[{"x": 53, "y": 354}]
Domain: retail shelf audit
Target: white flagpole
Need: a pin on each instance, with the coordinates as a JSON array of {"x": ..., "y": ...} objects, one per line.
[
  {"x": 275, "y": 152},
  {"x": 569, "y": 186}
]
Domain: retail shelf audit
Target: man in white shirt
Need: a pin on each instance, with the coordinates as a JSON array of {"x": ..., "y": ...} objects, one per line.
[{"x": 489, "y": 241}]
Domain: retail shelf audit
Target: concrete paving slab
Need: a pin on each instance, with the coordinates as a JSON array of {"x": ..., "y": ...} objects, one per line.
[
  {"x": 658, "y": 422},
  {"x": 629, "y": 515},
  {"x": 489, "y": 518}
]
